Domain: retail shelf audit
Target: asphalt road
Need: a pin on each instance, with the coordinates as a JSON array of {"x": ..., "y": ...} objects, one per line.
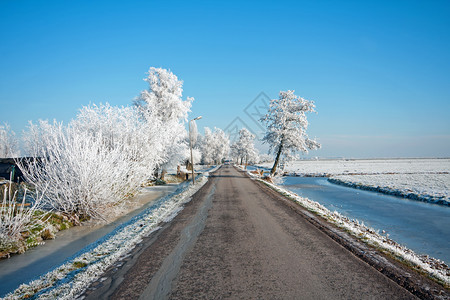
[{"x": 236, "y": 240}]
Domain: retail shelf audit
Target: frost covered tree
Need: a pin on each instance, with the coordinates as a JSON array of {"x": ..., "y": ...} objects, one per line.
[
  {"x": 8, "y": 143},
  {"x": 215, "y": 146},
  {"x": 234, "y": 152},
  {"x": 286, "y": 126},
  {"x": 244, "y": 148},
  {"x": 207, "y": 147},
  {"x": 163, "y": 102}
]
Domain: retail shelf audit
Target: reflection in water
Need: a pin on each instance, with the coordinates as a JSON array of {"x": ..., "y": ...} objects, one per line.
[
  {"x": 36, "y": 261},
  {"x": 422, "y": 227}
]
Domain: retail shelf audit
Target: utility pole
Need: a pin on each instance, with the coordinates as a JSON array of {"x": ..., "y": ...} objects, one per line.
[{"x": 190, "y": 147}]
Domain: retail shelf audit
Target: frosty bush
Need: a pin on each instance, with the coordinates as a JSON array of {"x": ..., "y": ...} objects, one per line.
[
  {"x": 91, "y": 165},
  {"x": 121, "y": 128}
]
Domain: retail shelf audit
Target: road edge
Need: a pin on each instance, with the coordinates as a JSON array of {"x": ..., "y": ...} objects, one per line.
[{"x": 406, "y": 277}]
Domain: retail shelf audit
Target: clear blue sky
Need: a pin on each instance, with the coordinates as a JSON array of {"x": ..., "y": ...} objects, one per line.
[{"x": 379, "y": 71}]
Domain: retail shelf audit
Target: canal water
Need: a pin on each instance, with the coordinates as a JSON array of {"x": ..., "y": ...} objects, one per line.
[
  {"x": 24, "y": 267},
  {"x": 420, "y": 226}
]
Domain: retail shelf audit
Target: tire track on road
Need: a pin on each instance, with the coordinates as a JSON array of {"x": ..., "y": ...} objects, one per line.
[{"x": 161, "y": 284}]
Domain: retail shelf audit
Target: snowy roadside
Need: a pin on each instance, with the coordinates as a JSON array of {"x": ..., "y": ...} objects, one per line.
[
  {"x": 431, "y": 266},
  {"x": 72, "y": 277}
]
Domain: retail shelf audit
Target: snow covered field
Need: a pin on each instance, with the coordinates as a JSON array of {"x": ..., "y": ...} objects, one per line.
[
  {"x": 421, "y": 179},
  {"x": 365, "y": 166}
]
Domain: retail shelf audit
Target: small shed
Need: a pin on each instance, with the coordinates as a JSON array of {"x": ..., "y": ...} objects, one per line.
[{"x": 9, "y": 167}]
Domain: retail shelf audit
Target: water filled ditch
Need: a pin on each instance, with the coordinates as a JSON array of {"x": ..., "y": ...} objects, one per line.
[{"x": 422, "y": 227}]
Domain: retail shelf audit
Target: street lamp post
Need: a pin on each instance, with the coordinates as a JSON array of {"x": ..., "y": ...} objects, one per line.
[{"x": 190, "y": 147}]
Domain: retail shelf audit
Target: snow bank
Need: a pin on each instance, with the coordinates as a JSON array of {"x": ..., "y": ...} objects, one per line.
[
  {"x": 72, "y": 277},
  {"x": 432, "y": 188}
]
